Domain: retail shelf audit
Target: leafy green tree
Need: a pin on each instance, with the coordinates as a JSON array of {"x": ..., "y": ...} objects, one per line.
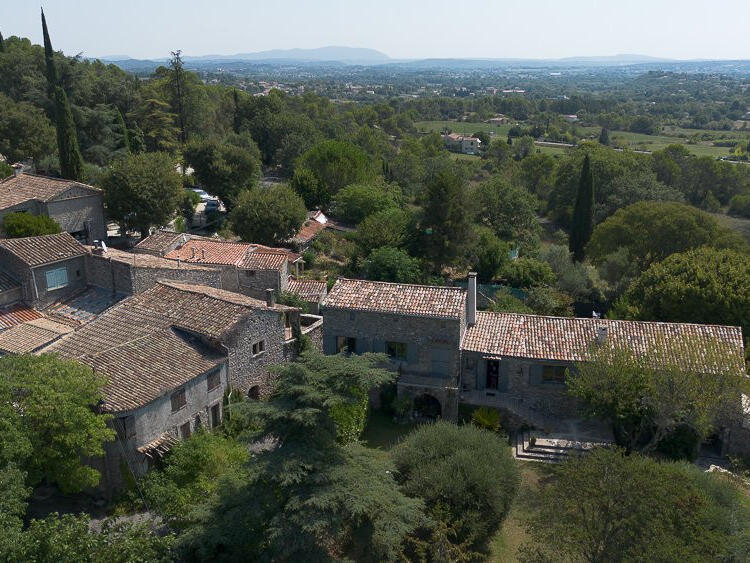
[
  {"x": 48, "y": 442},
  {"x": 17, "y": 225},
  {"x": 269, "y": 216},
  {"x": 155, "y": 125},
  {"x": 470, "y": 509},
  {"x": 141, "y": 191},
  {"x": 703, "y": 285},
  {"x": 651, "y": 231},
  {"x": 583, "y": 213},
  {"x": 25, "y": 131},
  {"x": 314, "y": 491},
  {"x": 49, "y": 59},
  {"x": 528, "y": 272},
  {"x": 125, "y": 137},
  {"x": 537, "y": 174},
  {"x": 505, "y": 302},
  {"x": 223, "y": 170},
  {"x": 2, "y": 44},
  {"x": 647, "y": 397},
  {"x": 549, "y": 301},
  {"x": 392, "y": 265},
  {"x": 355, "y": 202},
  {"x": 383, "y": 228},
  {"x": 509, "y": 210},
  {"x": 333, "y": 164},
  {"x": 635, "y": 508},
  {"x": 739, "y": 205},
  {"x": 445, "y": 223},
  {"x": 523, "y": 147},
  {"x": 491, "y": 254}
]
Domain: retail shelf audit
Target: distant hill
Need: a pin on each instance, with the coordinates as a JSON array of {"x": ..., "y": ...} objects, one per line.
[{"x": 351, "y": 55}]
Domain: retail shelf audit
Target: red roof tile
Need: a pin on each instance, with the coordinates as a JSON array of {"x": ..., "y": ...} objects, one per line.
[
  {"x": 17, "y": 314},
  {"x": 201, "y": 251},
  {"x": 309, "y": 290}
]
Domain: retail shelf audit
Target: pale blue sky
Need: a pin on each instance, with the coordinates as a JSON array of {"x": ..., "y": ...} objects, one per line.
[{"x": 400, "y": 28}]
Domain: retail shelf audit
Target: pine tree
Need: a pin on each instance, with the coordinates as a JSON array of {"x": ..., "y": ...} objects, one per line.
[
  {"x": 583, "y": 213},
  {"x": 604, "y": 137},
  {"x": 71, "y": 162},
  {"x": 49, "y": 59}
]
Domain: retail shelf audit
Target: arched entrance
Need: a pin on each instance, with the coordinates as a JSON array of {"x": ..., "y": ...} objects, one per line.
[
  {"x": 428, "y": 407},
  {"x": 254, "y": 392}
]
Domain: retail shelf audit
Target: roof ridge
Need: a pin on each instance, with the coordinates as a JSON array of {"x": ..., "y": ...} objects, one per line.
[
  {"x": 451, "y": 287},
  {"x": 194, "y": 288}
]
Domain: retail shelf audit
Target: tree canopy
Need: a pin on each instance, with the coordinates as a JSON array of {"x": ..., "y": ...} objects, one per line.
[
  {"x": 17, "y": 225},
  {"x": 269, "y": 216}
]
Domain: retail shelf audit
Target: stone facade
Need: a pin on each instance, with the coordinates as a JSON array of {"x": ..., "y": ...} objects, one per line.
[
  {"x": 34, "y": 287},
  {"x": 429, "y": 349},
  {"x": 79, "y": 212},
  {"x": 157, "y": 421},
  {"x": 255, "y": 282}
]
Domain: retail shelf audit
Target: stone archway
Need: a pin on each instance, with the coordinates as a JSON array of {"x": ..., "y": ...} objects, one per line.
[
  {"x": 428, "y": 407},
  {"x": 254, "y": 392}
]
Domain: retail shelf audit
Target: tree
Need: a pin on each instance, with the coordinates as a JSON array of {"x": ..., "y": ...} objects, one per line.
[
  {"x": 178, "y": 80},
  {"x": 505, "y": 302},
  {"x": 355, "y": 202},
  {"x": 141, "y": 191},
  {"x": 583, "y": 213},
  {"x": 445, "y": 223},
  {"x": 2, "y": 44},
  {"x": 17, "y": 225},
  {"x": 25, "y": 131},
  {"x": 491, "y": 254},
  {"x": 223, "y": 170},
  {"x": 314, "y": 492},
  {"x": 383, "y": 228},
  {"x": 48, "y": 420},
  {"x": 269, "y": 216},
  {"x": 333, "y": 164},
  {"x": 125, "y": 137},
  {"x": 71, "y": 161},
  {"x": 470, "y": 509},
  {"x": 156, "y": 124},
  {"x": 683, "y": 383},
  {"x": 392, "y": 265},
  {"x": 635, "y": 508},
  {"x": 49, "y": 59},
  {"x": 739, "y": 205},
  {"x": 651, "y": 231},
  {"x": 527, "y": 272},
  {"x": 702, "y": 285},
  {"x": 604, "y": 137},
  {"x": 509, "y": 210},
  {"x": 550, "y": 301},
  {"x": 523, "y": 147}
]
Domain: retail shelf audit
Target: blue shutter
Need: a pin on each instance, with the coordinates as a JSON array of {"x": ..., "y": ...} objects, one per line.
[
  {"x": 363, "y": 345},
  {"x": 412, "y": 353},
  {"x": 329, "y": 344},
  {"x": 535, "y": 374},
  {"x": 378, "y": 346}
]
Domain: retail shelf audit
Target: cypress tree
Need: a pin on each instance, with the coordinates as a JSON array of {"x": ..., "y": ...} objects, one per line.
[
  {"x": 583, "y": 213},
  {"x": 2, "y": 44},
  {"x": 124, "y": 129},
  {"x": 71, "y": 162},
  {"x": 49, "y": 59},
  {"x": 604, "y": 137}
]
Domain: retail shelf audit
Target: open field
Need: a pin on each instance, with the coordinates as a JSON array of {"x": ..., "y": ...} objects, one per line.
[
  {"x": 625, "y": 139},
  {"x": 739, "y": 224}
]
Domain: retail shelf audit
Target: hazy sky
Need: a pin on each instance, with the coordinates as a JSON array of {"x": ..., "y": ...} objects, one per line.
[{"x": 400, "y": 28}]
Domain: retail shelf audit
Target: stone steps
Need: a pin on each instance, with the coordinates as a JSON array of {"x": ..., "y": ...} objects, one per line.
[{"x": 550, "y": 450}]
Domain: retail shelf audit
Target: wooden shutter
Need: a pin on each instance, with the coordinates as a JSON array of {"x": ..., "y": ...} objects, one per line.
[
  {"x": 412, "y": 353},
  {"x": 535, "y": 374},
  {"x": 329, "y": 344}
]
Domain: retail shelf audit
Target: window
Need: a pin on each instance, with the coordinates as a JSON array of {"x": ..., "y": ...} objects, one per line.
[
  {"x": 396, "y": 350},
  {"x": 214, "y": 380},
  {"x": 178, "y": 400},
  {"x": 185, "y": 430},
  {"x": 346, "y": 344},
  {"x": 57, "y": 278},
  {"x": 78, "y": 273},
  {"x": 259, "y": 347},
  {"x": 493, "y": 374},
  {"x": 553, "y": 374},
  {"x": 215, "y": 415}
]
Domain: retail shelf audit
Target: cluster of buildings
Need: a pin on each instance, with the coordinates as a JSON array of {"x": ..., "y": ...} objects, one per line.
[
  {"x": 183, "y": 321},
  {"x": 463, "y": 144}
]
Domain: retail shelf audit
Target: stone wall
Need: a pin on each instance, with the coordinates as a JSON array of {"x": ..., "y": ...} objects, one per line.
[
  {"x": 145, "y": 278},
  {"x": 77, "y": 214},
  {"x": 255, "y": 282},
  {"x": 109, "y": 274},
  {"x": 76, "y": 268}
]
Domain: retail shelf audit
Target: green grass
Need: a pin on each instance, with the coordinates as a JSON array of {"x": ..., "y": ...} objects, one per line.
[
  {"x": 462, "y": 127},
  {"x": 738, "y": 224},
  {"x": 382, "y": 433}
]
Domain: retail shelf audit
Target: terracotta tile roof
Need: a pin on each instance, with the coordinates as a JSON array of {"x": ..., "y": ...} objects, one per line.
[
  {"x": 202, "y": 251},
  {"x": 263, "y": 260},
  {"x": 25, "y": 187},
  {"x": 17, "y": 314},
  {"x": 7, "y": 282},
  {"x": 402, "y": 299},
  {"x": 36, "y": 251},
  {"x": 160, "y": 241},
  {"x": 309, "y": 230},
  {"x": 309, "y": 290},
  {"x": 30, "y": 336},
  {"x": 141, "y": 260},
  {"x": 83, "y": 306},
  {"x": 568, "y": 339},
  {"x": 291, "y": 256}
]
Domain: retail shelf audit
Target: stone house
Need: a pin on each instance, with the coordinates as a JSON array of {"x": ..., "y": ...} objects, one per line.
[
  {"x": 419, "y": 327},
  {"x": 462, "y": 143},
  {"x": 312, "y": 292},
  {"x": 76, "y": 207},
  {"x": 169, "y": 354}
]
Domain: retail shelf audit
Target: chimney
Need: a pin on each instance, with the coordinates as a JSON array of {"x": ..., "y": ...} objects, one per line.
[
  {"x": 192, "y": 252},
  {"x": 270, "y": 297},
  {"x": 471, "y": 300},
  {"x": 601, "y": 334},
  {"x": 203, "y": 253},
  {"x": 17, "y": 169}
]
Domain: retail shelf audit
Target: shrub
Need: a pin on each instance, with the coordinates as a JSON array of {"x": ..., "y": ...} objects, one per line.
[
  {"x": 17, "y": 225},
  {"x": 487, "y": 418},
  {"x": 528, "y": 272},
  {"x": 740, "y": 205},
  {"x": 401, "y": 406}
]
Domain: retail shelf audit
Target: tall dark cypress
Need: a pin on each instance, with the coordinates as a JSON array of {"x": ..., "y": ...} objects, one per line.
[
  {"x": 583, "y": 213},
  {"x": 49, "y": 59},
  {"x": 2, "y": 43},
  {"x": 71, "y": 162},
  {"x": 604, "y": 137},
  {"x": 124, "y": 131}
]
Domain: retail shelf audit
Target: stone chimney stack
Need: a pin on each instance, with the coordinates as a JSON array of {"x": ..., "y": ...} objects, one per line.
[
  {"x": 601, "y": 334},
  {"x": 270, "y": 297},
  {"x": 17, "y": 169},
  {"x": 471, "y": 300}
]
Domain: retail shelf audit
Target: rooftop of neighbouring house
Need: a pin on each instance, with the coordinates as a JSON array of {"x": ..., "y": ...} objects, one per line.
[
  {"x": 316, "y": 221},
  {"x": 161, "y": 241},
  {"x": 83, "y": 306},
  {"x": 397, "y": 298},
  {"x": 309, "y": 290},
  {"x": 13, "y": 315},
  {"x": 30, "y": 336},
  {"x": 45, "y": 249},
  {"x": 157, "y": 340},
  {"x": 569, "y": 339},
  {"x": 240, "y": 254},
  {"x": 24, "y": 187},
  {"x": 142, "y": 260}
]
